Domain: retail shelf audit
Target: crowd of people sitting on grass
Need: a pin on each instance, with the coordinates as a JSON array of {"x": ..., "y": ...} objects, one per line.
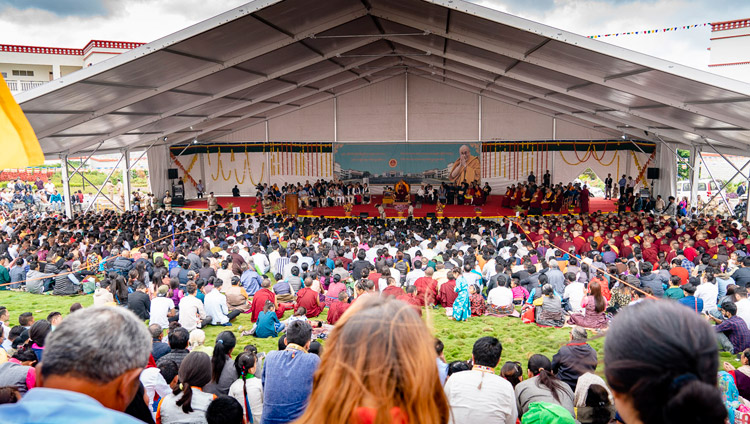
[
  {"x": 380, "y": 364},
  {"x": 185, "y": 271}
]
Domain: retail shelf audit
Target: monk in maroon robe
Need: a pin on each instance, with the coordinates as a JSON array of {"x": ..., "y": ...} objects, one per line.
[
  {"x": 447, "y": 294},
  {"x": 426, "y": 288},
  {"x": 338, "y": 307},
  {"x": 310, "y": 300},
  {"x": 259, "y": 299},
  {"x": 392, "y": 291},
  {"x": 411, "y": 298},
  {"x": 584, "y": 196}
]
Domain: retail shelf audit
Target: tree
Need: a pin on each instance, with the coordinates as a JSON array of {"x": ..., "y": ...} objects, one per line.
[{"x": 683, "y": 171}]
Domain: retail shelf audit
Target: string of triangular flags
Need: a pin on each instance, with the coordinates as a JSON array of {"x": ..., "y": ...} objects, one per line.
[{"x": 649, "y": 31}]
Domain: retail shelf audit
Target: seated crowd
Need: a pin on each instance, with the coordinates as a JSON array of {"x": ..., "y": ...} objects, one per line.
[{"x": 185, "y": 271}]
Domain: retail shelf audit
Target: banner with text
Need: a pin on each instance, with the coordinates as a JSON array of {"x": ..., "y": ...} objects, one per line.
[{"x": 416, "y": 163}]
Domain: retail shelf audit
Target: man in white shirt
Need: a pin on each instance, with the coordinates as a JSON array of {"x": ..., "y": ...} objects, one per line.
[
  {"x": 575, "y": 292},
  {"x": 192, "y": 313},
  {"x": 216, "y": 306},
  {"x": 261, "y": 261},
  {"x": 162, "y": 307},
  {"x": 500, "y": 296},
  {"x": 470, "y": 276},
  {"x": 709, "y": 292},
  {"x": 414, "y": 274},
  {"x": 743, "y": 304},
  {"x": 467, "y": 390},
  {"x": 273, "y": 258}
]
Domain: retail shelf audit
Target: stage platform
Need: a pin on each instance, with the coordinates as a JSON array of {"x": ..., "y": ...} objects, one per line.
[{"x": 492, "y": 209}]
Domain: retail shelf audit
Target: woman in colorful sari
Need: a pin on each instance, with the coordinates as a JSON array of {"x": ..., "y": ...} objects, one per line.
[
  {"x": 742, "y": 374},
  {"x": 730, "y": 394},
  {"x": 461, "y": 308}
]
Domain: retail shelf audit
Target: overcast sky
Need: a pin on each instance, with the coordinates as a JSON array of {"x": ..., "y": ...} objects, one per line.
[{"x": 72, "y": 23}]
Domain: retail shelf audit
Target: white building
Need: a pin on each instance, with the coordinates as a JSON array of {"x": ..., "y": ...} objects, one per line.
[
  {"x": 730, "y": 49},
  {"x": 27, "y": 67}
]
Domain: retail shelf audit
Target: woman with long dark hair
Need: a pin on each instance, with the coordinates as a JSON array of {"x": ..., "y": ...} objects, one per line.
[
  {"x": 543, "y": 386},
  {"x": 188, "y": 402},
  {"x": 248, "y": 389},
  {"x": 223, "y": 372},
  {"x": 594, "y": 305},
  {"x": 660, "y": 360}
]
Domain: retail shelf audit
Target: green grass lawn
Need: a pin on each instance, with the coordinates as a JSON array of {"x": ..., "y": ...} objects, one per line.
[{"x": 519, "y": 340}]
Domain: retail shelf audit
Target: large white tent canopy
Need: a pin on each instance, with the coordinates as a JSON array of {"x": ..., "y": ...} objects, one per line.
[{"x": 272, "y": 57}]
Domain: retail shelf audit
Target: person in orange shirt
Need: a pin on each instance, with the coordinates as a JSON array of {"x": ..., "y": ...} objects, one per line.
[{"x": 679, "y": 271}]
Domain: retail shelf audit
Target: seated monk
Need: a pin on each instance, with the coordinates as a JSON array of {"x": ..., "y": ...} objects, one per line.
[
  {"x": 237, "y": 296},
  {"x": 447, "y": 293},
  {"x": 426, "y": 288},
  {"x": 411, "y": 298},
  {"x": 392, "y": 290},
  {"x": 557, "y": 205},
  {"x": 525, "y": 198},
  {"x": 309, "y": 298},
  {"x": 402, "y": 192},
  {"x": 259, "y": 300},
  {"x": 547, "y": 201},
  {"x": 338, "y": 307},
  {"x": 509, "y": 193},
  {"x": 517, "y": 197}
]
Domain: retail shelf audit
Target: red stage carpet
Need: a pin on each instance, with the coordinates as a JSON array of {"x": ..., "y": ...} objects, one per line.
[{"x": 491, "y": 209}]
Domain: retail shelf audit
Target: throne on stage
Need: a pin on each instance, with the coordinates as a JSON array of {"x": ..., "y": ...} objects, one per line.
[{"x": 402, "y": 192}]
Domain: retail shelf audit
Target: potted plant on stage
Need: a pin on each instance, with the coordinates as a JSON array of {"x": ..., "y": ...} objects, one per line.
[
  {"x": 518, "y": 209},
  {"x": 254, "y": 207},
  {"x": 348, "y": 209},
  {"x": 478, "y": 211},
  {"x": 400, "y": 209},
  {"x": 229, "y": 206}
]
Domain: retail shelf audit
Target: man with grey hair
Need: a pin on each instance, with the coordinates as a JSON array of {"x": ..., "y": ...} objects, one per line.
[
  {"x": 555, "y": 277},
  {"x": 88, "y": 373},
  {"x": 575, "y": 358}
]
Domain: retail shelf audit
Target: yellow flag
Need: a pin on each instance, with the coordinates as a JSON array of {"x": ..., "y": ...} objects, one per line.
[{"x": 20, "y": 145}]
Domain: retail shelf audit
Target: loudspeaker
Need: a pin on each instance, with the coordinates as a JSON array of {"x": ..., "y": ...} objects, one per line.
[
  {"x": 364, "y": 215},
  {"x": 172, "y": 173},
  {"x": 431, "y": 215},
  {"x": 652, "y": 174}
]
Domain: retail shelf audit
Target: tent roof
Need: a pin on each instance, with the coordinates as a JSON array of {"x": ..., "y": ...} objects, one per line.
[{"x": 270, "y": 57}]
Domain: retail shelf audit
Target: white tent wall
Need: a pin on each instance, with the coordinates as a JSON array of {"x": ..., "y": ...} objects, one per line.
[
  {"x": 386, "y": 111},
  {"x": 374, "y": 113},
  {"x": 158, "y": 163},
  {"x": 438, "y": 112},
  {"x": 666, "y": 161}
]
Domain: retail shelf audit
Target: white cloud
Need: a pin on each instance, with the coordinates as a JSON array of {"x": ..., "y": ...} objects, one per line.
[{"x": 594, "y": 17}]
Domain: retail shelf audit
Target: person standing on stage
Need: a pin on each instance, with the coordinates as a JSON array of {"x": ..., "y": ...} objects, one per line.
[
  {"x": 608, "y": 187},
  {"x": 547, "y": 179},
  {"x": 200, "y": 188},
  {"x": 622, "y": 183}
]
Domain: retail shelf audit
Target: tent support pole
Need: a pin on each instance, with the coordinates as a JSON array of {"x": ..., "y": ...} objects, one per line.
[
  {"x": 66, "y": 186},
  {"x": 729, "y": 208},
  {"x": 99, "y": 190},
  {"x": 727, "y": 183},
  {"x": 126, "y": 179}
]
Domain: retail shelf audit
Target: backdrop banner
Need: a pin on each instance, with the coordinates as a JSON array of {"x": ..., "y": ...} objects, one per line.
[{"x": 415, "y": 163}]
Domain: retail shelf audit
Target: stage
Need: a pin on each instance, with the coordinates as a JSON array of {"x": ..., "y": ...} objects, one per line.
[{"x": 491, "y": 209}]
